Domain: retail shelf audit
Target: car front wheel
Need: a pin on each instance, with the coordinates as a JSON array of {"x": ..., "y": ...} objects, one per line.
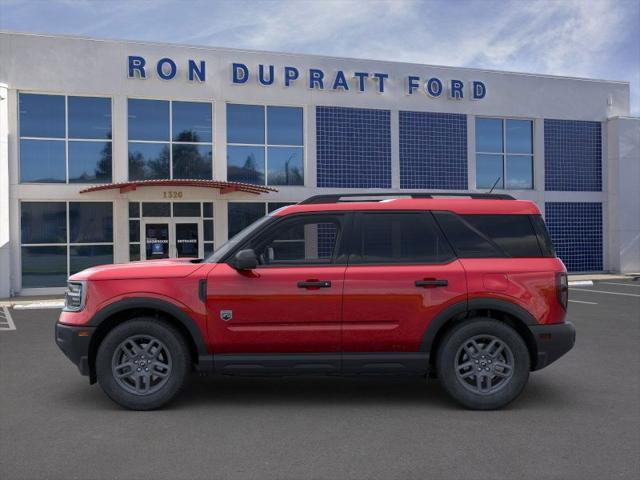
[
  {"x": 142, "y": 364},
  {"x": 483, "y": 364}
]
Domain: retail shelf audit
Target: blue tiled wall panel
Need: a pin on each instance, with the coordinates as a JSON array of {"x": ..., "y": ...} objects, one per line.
[
  {"x": 433, "y": 150},
  {"x": 353, "y": 147},
  {"x": 572, "y": 155},
  {"x": 576, "y": 231}
]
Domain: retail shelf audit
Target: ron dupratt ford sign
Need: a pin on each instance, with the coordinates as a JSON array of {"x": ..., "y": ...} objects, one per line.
[{"x": 314, "y": 78}]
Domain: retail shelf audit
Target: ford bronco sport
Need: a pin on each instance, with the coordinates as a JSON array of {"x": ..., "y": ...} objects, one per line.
[{"x": 466, "y": 289}]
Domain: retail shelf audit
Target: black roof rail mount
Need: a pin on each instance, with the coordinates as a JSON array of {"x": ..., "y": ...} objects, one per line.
[{"x": 337, "y": 197}]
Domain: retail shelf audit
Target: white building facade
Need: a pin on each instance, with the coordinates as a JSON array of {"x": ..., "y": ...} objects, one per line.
[{"x": 112, "y": 151}]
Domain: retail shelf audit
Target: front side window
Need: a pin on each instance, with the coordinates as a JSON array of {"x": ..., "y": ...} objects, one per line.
[
  {"x": 504, "y": 153},
  {"x": 265, "y": 144},
  {"x": 65, "y": 139},
  {"x": 170, "y": 140},
  {"x": 301, "y": 241},
  {"x": 401, "y": 238}
]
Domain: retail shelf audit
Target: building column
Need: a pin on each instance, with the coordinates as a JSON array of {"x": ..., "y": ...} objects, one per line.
[
  {"x": 5, "y": 244},
  {"x": 623, "y": 206}
]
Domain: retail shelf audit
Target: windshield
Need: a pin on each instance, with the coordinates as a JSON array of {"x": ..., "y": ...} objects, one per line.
[{"x": 237, "y": 239}]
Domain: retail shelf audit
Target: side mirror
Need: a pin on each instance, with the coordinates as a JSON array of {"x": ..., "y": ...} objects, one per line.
[{"x": 245, "y": 260}]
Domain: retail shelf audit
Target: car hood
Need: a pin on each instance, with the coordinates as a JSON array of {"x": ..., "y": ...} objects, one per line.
[{"x": 169, "y": 268}]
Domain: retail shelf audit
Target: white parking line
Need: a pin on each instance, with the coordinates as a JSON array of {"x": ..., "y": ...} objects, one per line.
[
  {"x": 622, "y": 284},
  {"x": 602, "y": 291},
  {"x": 580, "y": 301},
  {"x": 39, "y": 305},
  {"x": 6, "y": 322}
]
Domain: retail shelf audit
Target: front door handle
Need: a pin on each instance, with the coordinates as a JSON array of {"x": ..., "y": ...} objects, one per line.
[
  {"x": 431, "y": 282},
  {"x": 314, "y": 284}
]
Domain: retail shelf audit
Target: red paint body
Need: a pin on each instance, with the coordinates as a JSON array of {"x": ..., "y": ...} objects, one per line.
[{"x": 367, "y": 308}]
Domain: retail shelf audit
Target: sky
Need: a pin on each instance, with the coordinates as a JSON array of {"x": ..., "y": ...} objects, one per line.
[{"x": 579, "y": 38}]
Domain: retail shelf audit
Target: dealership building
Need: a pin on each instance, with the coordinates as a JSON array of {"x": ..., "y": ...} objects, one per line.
[{"x": 114, "y": 151}]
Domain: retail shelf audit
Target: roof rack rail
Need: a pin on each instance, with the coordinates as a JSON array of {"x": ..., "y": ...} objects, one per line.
[{"x": 337, "y": 197}]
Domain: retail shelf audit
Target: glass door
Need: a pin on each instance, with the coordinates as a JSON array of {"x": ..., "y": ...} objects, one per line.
[
  {"x": 156, "y": 239},
  {"x": 188, "y": 238}
]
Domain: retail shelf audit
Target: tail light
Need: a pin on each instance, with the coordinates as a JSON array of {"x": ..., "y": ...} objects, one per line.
[{"x": 562, "y": 289}]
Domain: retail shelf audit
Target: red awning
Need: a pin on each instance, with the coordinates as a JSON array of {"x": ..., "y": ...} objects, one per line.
[{"x": 224, "y": 187}]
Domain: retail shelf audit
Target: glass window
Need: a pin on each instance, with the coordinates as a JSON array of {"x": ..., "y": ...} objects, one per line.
[
  {"x": 280, "y": 157},
  {"x": 44, "y": 266},
  {"x": 489, "y": 171},
  {"x": 134, "y": 230},
  {"x": 148, "y": 161},
  {"x": 285, "y": 166},
  {"x": 273, "y": 206},
  {"x": 179, "y": 149},
  {"x": 504, "y": 153},
  {"x": 208, "y": 230},
  {"x": 401, "y": 238},
  {"x": 87, "y": 256},
  {"x": 148, "y": 120},
  {"x": 89, "y": 162},
  {"x": 134, "y": 252},
  {"x": 89, "y": 117},
  {"x": 42, "y": 115},
  {"x": 42, "y": 161},
  {"x": 311, "y": 240},
  {"x": 467, "y": 241},
  {"x": 245, "y": 124},
  {"x": 156, "y": 209},
  {"x": 192, "y": 161},
  {"x": 514, "y": 234},
  {"x": 43, "y": 222},
  {"x": 519, "y": 136},
  {"x": 134, "y": 210},
  {"x": 245, "y": 164},
  {"x": 207, "y": 209},
  {"x": 241, "y": 215},
  {"x": 284, "y": 126},
  {"x": 191, "y": 122},
  {"x": 90, "y": 222},
  {"x": 489, "y": 135},
  {"x": 186, "y": 209}
]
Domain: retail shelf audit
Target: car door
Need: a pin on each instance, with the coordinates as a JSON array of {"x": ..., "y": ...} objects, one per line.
[
  {"x": 291, "y": 303},
  {"x": 401, "y": 274}
]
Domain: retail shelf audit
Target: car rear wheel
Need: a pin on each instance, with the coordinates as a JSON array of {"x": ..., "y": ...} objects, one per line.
[
  {"x": 483, "y": 364},
  {"x": 143, "y": 363}
]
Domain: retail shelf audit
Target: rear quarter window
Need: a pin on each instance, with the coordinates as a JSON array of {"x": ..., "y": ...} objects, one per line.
[{"x": 491, "y": 236}]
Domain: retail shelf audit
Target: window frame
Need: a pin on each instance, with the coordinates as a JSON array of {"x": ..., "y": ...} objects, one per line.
[
  {"x": 504, "y": 154},
  {"x": 66, "y": 139},
  {"x": 170, "y": 142},
  {"x": 355, "y": 255},
  {"x": 67, "y": 244},
  {"x": 266, "y": 145}
]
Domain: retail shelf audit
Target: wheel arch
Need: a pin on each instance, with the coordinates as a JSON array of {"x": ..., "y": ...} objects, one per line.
[
  {"x": 121, "y": 311},
  {"x": 511, "y": 314}
]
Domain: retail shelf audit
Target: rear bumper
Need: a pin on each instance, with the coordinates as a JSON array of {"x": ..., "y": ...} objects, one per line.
[
  {"x": 74, "y": 343},
  {"x": 552, "y": 342}
]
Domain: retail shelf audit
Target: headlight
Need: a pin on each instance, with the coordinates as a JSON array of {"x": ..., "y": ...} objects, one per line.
[{"x": 74, "y": 296}]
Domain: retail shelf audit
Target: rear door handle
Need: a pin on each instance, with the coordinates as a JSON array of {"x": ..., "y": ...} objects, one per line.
[
  {"x": 426, "y": 283},
  {"x": 313, "y": 284}
]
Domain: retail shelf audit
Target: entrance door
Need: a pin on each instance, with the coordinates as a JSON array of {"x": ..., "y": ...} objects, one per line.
[
  {"x": 172, "y": 238},
  {"x": 188, "y": 238}
]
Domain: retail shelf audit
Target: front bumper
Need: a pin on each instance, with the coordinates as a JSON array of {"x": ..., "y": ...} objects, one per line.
[
  {"x": 74, "y": 343},
  {"x": 552, "y": 342}
]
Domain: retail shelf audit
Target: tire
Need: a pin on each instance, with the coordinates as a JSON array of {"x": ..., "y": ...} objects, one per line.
[
  {"x": 491, "y": 346},
  {"x": 143, "y": 363}
]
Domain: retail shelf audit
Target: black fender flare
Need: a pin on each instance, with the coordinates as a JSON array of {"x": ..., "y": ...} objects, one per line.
[
  {"x": 460, "y": 309},
  {"x": 155, "y": 304}
]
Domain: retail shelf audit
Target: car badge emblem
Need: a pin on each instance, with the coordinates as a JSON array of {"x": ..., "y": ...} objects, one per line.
[{"x": 226, "y": 315}]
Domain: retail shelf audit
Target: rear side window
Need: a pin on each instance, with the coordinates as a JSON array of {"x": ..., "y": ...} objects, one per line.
[
  {"x": 546, "y": 245},
  {"x": 491, "y": 236},
  {"x": 401, "y": 238}
]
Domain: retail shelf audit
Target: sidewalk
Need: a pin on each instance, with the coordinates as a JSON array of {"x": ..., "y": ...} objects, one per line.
[{"x": 54, "y": 301}]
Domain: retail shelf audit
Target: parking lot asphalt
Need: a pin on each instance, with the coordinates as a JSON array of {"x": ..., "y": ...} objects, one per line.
[{"x": 577, "y": 419}]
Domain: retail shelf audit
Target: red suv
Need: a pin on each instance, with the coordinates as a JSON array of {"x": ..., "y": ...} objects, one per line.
[{"x": 465, "y": 289}]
